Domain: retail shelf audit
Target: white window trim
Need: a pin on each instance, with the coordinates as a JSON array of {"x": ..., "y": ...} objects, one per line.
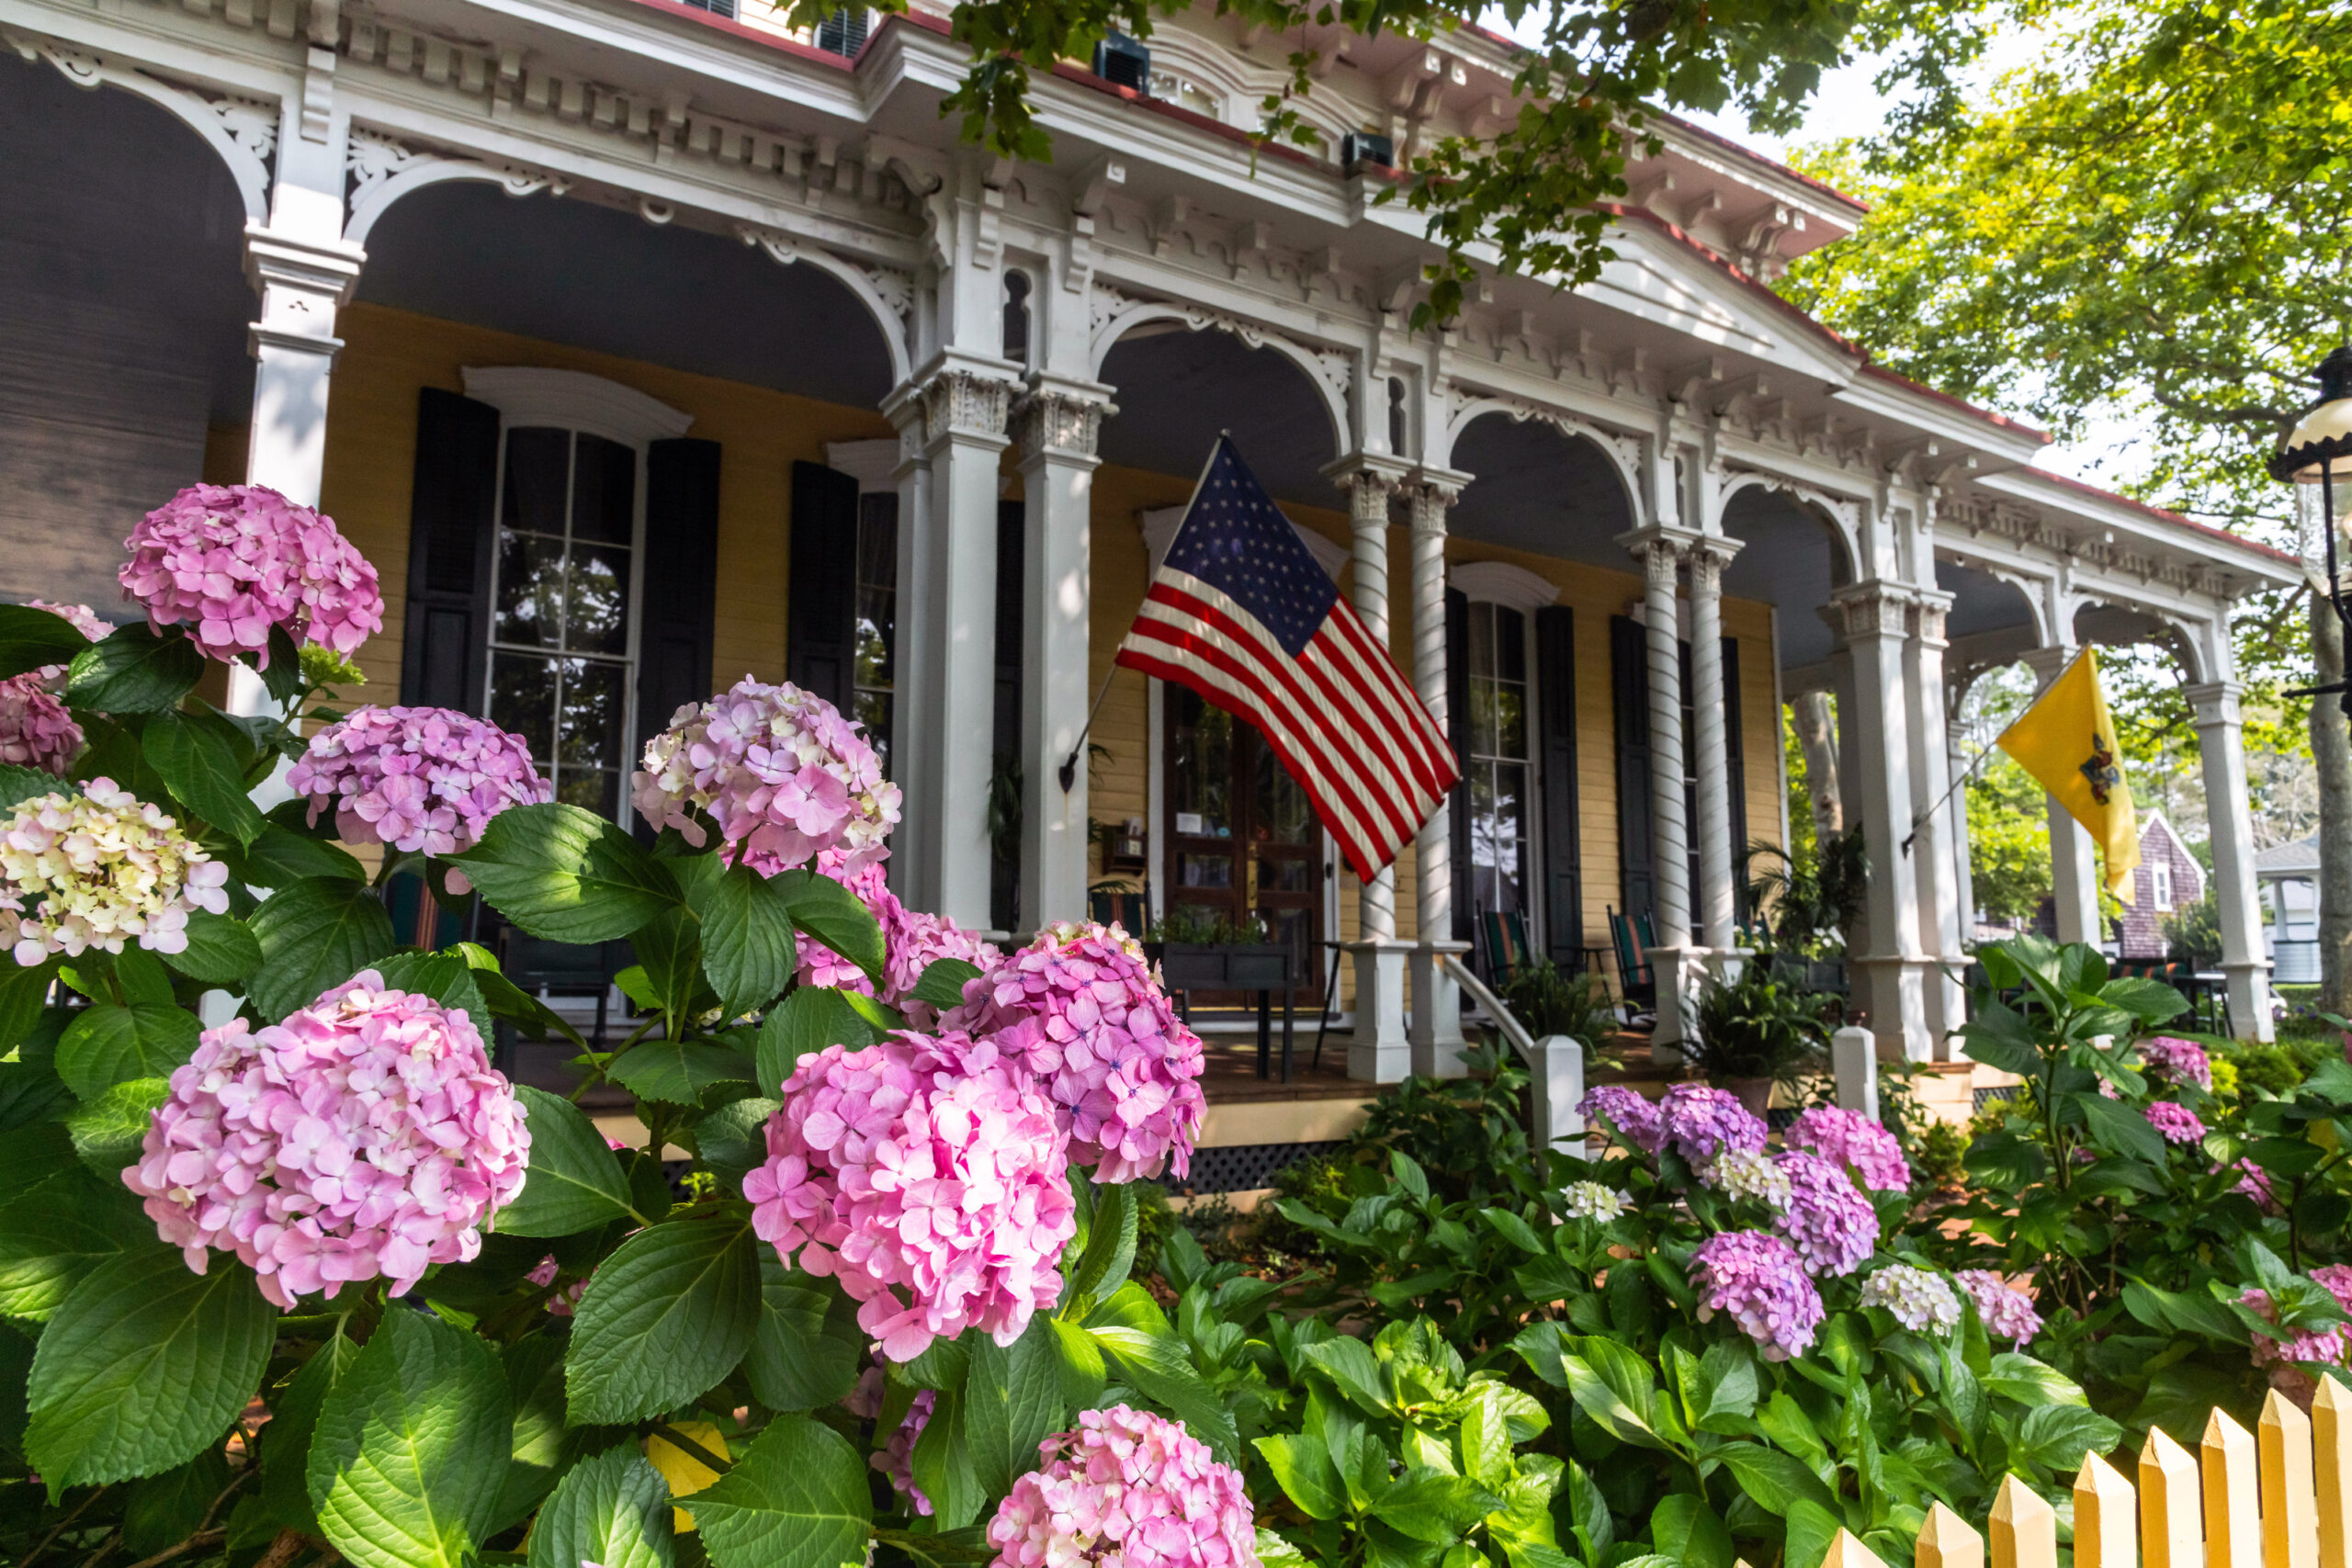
[
  {"x": 2160, "y": 887},
  {"x": 1488, "y": 583},
  {"x": 1499, "y": 582},
  {"x": 872, "y": 464}
]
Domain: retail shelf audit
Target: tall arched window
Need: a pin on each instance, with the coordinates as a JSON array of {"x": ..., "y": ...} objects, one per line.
[{"x": 1499, "y": 763}]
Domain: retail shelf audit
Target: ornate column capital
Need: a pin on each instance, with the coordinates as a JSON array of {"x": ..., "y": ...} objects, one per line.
[
  {"x": 1429, "y": 494},
  {"x": 2215, "y": 702},
  {"x": 1057, "y": 418},
  {"x": 952, "y": 398},
  {"x": 1371, "y": 481},
  {"x": 1707, "y": 555},
  {"x": 1928, "y": 612},
  {"x": 1876, "y": 609},
  {"x": 1660, "y": 550}
]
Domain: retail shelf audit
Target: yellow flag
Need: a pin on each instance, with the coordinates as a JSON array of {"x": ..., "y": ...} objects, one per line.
[
  {"x": 2067, "y": 742},
  {"x": 684, "y": 1473}
]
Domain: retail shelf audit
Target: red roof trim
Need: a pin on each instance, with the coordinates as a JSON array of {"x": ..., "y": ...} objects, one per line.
[{"x": 2083, "y": 487}]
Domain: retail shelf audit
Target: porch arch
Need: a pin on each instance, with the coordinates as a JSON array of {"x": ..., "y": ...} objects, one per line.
[
  {"x": 1622, "y": 452},
  {"x": 242, "y": 132},
  {"x": 1331, "y": 372}
]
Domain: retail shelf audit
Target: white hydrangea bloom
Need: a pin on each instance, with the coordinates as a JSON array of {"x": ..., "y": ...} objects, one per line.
[
  {"x": 101, "y": 869},
  {"x": 1749, "y": 1173},
  {"x": 1920, "y": 1298},
  {"x": 1593, "y": 1200}
]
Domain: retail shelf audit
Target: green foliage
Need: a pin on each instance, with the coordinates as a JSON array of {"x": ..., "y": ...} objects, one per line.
[
  {"x": 1755, "y": 1026},
  {"x": 1807, "y": 898},
  {"x": 2193, "y": 932},
  {"x": 1548, "y": 1000},
  {"x": 1462, "y": 1132},
  {"x": 2008, "y": 842}
]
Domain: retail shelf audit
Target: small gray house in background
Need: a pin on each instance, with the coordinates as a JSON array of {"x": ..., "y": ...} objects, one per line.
[
  {"x": 2169, "y": 880},
  {"x": 2289, "y": 875}
]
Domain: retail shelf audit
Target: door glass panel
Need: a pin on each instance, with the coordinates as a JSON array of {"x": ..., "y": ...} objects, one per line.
[
  {"x": 1285, "y": 813},
  {"x": 1203, "y": 871},
  {"x": 1202, "y": 768}
]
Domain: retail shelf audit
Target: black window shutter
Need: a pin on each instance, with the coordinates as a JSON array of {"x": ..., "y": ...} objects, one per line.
[
  {"x": 820, "y": 635},
  {"x": 1012, "y": 582},
  {"x": 681, "y": 584},
  {"x": 1556, "y": 762},
  {"x": 445, "y": 645},
  {"x": 1457, "y": 734},
  {"x": 1630, "y": 686},
  {"x": 1738, "y": 772}
]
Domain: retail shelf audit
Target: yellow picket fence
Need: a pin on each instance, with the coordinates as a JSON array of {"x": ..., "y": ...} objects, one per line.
[{"x": 2277, "y": 1497}]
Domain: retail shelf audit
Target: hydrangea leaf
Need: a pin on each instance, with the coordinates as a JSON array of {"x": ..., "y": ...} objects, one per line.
[
  {"x": 810, "y": 1019},
  {"x": 281, "y": 856},
  {"x": 314, "y": 934},
  {"x": 944, "y": 981},
  {"x": 666, "y": 1316},
  {"x": 412, "y": 1446},
  {"x": 107, "y": 1130},
  {"x": 203, "y": 774},
  {"x": 1013, "y": 1402},
  {"x": 836, "y": 917},
  {"x": 54, "y": 1233},
  {"x": 566, "y": 874},
  {"x": 109, "y": 1044},
  {"x": 293, "y": 1420},
  {"x": 143, "y": 1365},
  {"x": 134, "y": 671},
  {"x": 574, "y": 1182},
  {"x": 19, "y": 784},
  {"x": 748, "y": 947},
  {"x": 808, "y": 1351},
  {"x": 612, "y": 1508},
  {"x": 677, "y": 1071},
  {"x": 34, "y": 639},
  {"x": 795, "y": 1498},
  {"x": 219, "y": 950}
]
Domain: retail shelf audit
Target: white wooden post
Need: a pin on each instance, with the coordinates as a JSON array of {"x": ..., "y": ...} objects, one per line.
[{"x": 1853, "y": 1060}]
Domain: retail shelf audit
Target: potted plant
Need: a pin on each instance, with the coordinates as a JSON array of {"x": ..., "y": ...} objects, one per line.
[
  {"x": 1197, "y": 952},
  {"x": 1557, "y": 1008},
  {"x": 1751, "y": 1030}
]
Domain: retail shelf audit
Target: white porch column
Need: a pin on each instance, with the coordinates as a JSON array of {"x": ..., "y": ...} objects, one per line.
[
  {"x": 1660, "y": 552},
  {"x": 1057, "y": 423},
  {"x": 2221, "y": 737},
  {"x": 303, "y": 282},
  {"x": 1936, "y": 851},
  {"x": 1890, "y": 964},
  {"x": 963, "y": 403},
  {"x": 1437, "y": 1042},
  {"x": 1964, "y": 875},
  {"x": 1379, "y": 1052},
  {"x": 2074, "y": 860},
  {"x": 1718, "y": 909}
]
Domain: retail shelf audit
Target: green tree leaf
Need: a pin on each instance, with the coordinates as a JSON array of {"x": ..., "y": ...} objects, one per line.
[
  {"x": 810, "y": 1019},
  {"x": 143, "y": 1365},
  {"x": 412, "y": 1446},
  {"x": 203, "y": 772},
  {"x": 795, "y": 1498},
  {"x": 748, "y": 946},
  {"x": 677, "y": 1071},
  {"x": 134, "y": 671},
  {"x": 807, "y": 1351},
  {"x": 219, "y": 951},
  {"x": 611, "y": 1509},
  {"x": 314, "y": 935},
  {"x": 566, "y": 874},
  {"x": 835, "y": 916},
  {"x": 106, "y": 1046},
  {"x": 34, "y": 639},
  {"x": 574, "y": 1183},
  {"x": 666, "y": 1316}
]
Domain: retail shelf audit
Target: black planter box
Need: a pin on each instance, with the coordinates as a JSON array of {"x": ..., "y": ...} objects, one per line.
[{"x": 1235, "y": 966}]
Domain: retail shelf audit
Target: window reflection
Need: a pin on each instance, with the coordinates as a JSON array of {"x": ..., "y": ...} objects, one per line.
[
  {"x": 874, "y": 674},
  {"x": 561, "y": 654},
  {"x": 1497, "y": 763}
]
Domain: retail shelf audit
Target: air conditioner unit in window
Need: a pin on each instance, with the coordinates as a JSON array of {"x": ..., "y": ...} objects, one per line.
[
  {"x": 1363, "y": 147},
  {"x": 843, "y": 32},
  {"x": 1121, "y": 59}
]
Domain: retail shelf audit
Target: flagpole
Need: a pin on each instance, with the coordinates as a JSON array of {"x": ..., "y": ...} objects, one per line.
[{"x": 1967, "y": 773}]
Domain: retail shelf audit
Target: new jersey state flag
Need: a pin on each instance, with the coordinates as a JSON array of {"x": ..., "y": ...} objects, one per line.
[{"x": 2067, "y": 742}]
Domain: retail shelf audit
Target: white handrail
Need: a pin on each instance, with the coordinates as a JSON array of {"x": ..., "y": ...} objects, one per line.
[
  {"x": 1556, "y": 1064},
  {"x": 1513, "y": 1031}
]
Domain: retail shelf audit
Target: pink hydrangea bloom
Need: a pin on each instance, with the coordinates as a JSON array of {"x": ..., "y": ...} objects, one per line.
[
  {"x": 1080, "y": 1008},
  {"x": 86, "y": 621},
  {"x": 1830, "y": 1223},
  {"x": 426, "y": 779},
  {"x": 36, "y": 729},
  {"x": 780, "y": 770},
  {"x": 561, "y": 1303},
  {"x": 2338, "y": 1278},
  {"x": 1758, "y": 1280},
  {"x": 1633, "y": 1115},
  {"x": 2300, "y": 1344},
  {"x": 2255, "y": 1182},
  {"x": 1125, "y": 1489},
  {"x": 1699, "y": 1123},
  {"x": 929, "y": 1177},
  {"x": 366, "y": 1135},
  {"x": 2008, "y": 1312},
  {"x": 100, "y": 869},
  {"x": 2176, "y": 1123},
  {"x": 2177, "y": 1061},
  {"x": 1851, "y": 1138},
  {"x": 231, "y": 562},
  {"x": 896, "y": 1458}
]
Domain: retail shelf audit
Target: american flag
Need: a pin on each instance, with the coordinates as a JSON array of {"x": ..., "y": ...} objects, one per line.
[{"x": 1241, "y": 612}]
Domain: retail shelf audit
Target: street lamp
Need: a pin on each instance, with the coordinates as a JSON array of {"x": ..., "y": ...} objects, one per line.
[{"x": 2316, "y": 458}]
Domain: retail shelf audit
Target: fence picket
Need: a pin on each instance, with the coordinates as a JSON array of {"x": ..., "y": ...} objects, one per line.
[
  {"x": 1846, "y": 1552},
  {"x": 2331, "y": 1413},
  {"x": 2172, "y": 1528},
  {"x": 2232, "y": 1518},
  {"x": 2106, "y": 1524},
  {"x": 1947, "y": 1540},
  {"x": 2289, "y": 1506},
  {"x": 2025, "y": 1528}
]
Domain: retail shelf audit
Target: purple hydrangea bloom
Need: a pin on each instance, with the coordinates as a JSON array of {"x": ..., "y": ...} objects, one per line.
[
  {"x": 1851, "y": 1138},
  {"x": 1828, "y": 1220},
  {"x": 2255, "y": 1182},
  {"x": 2008, "y": 1312},
  {"x": 896, "y": 1459},
  {"x": 1758, "y": 1280},
  {"x": 2177, "y": 1061},
  {"x": 1699, "y": 1123},
  {"x": 2300, "y": 1344},
  {"x": 1634, "y": 1117},
  {"x": 2176, "y": 1123}
]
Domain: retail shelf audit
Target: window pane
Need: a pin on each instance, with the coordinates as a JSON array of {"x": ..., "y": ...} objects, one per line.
[
  {"x": 1510, "y": 643},
  {"x": 877, "y": 540},
  {"x": 874, "y": 608},
  {"x": 873, "y": 710},
  {"x": 522, "y": 700},
  {"x": 539, "y": 464},
  {"x": 593, "y": 709},
  {"x": 596, "y": 790},
  {"x": 530, "y": 590},
  {"x": 598, "y": 619},
  {"x": 1482, "y": 715},
  {"x": 1511, "y": 721},
  {"x": 1482, "y": 640},
  {"x": 604, "y": 491}
]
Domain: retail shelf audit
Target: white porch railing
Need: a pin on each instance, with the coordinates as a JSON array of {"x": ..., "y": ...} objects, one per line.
[{"x": 1555, "y": 1062}]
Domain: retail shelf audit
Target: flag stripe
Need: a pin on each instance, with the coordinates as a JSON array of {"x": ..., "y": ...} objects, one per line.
[{"x": 1411, "y": 730}]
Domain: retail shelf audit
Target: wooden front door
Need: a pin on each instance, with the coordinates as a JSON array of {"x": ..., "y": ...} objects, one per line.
[{"x": 1242, "y": 836}]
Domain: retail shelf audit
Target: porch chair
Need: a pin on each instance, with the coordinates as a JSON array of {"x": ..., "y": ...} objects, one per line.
[
  {"x": 1129, "y": 910},
  {"x": 1505, "y": 933},
  {"x": 1635, "y": 980}
]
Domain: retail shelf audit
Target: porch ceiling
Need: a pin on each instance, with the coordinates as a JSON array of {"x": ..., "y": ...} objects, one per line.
[
  {"x": 1538, "y": 489},
  {"x": 1788, "y": 558},
  {"x": 570, "y": 271},
  {"x": 1178, "y": 388}
]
